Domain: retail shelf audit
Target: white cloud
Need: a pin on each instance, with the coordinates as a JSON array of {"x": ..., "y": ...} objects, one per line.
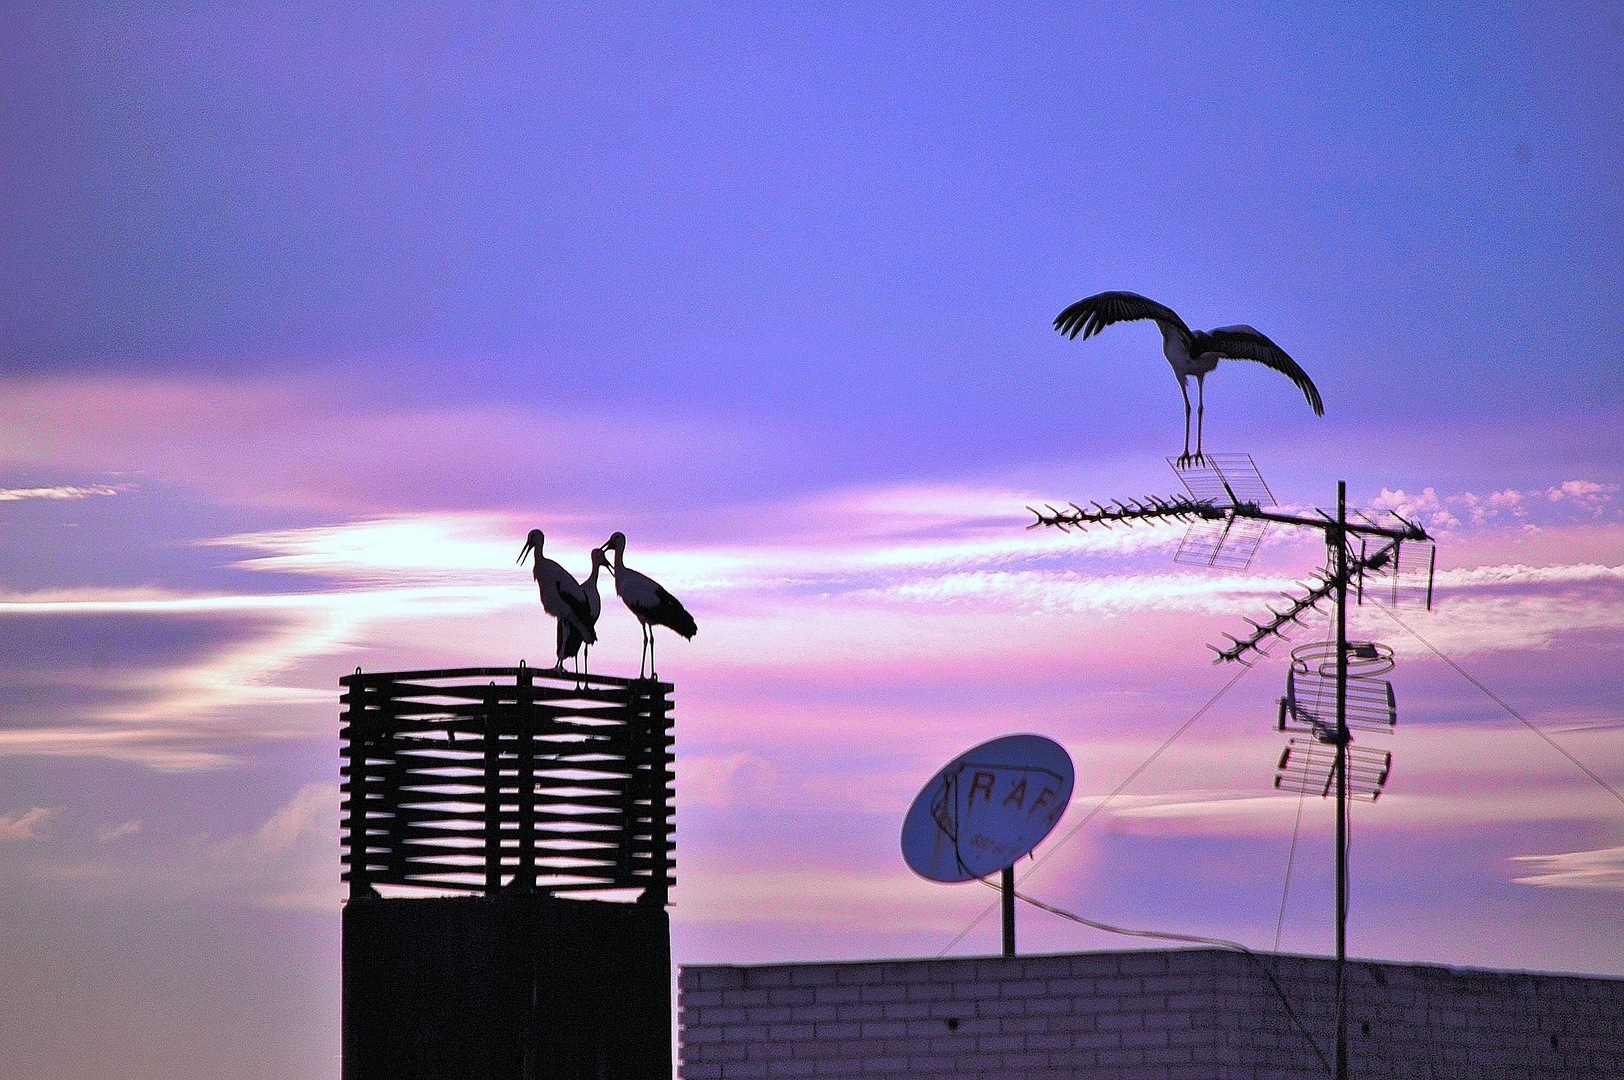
[
  {"x": 191, "y": 715},
  {"x": 110, "y": 833},
  {"x": 1589, "y": 498},
  {"x": 729, "y": 780},
  {"x": 1519, "y": 574},
  {"x": 60, "y": 491},
  {"x": 1587, "y": 491},
  {"x": 414, "y": 548},
  {"x": 918, "y": 572},
  {"x": 26, "y": 824},
  {"x": 291, "y": 861},
  {"x": 1071, "y": 591},
  {"x": 1599, "y": 869},
  {"x": 1405, "y": 504}
]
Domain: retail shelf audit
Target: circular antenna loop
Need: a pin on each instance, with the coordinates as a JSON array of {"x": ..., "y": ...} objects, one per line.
[{"x": 1366, "y": 659}]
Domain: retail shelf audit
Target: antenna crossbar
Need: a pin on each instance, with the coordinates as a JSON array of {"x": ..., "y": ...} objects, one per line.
[
  {"x": 1126, "y": 512},
  {"x": 1326, "y": 523},
  {"x": 1279, "y": 622}
]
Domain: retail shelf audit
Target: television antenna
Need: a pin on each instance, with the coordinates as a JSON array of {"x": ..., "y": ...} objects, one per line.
[
  {"x": 984, "y": 810},
  {"x": 1333, "y": 687}
]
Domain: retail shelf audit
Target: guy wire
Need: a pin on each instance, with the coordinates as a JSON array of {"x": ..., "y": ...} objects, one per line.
[
  {"x": 1291, "y": 857},
  {"x": 1037, "y": 864},
  {"x": 1492, "y": 696}
]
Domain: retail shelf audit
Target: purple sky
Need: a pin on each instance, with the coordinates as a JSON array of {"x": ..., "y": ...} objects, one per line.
[{"x": 307, "y": 317}]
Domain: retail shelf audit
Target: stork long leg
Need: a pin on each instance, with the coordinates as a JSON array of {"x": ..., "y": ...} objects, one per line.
[
  {"x": 1184, "y": 458},
  {"x": 1200, "y": 412},
  {"x": 558, "y": 650}
]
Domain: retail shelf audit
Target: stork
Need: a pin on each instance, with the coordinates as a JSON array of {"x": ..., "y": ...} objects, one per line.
[
  {"x": 1191, "y": 352},
  {"x": 573, "y": 641},
  {"x": 649, "y": 601},
  {"x": 561, "y": 597}
]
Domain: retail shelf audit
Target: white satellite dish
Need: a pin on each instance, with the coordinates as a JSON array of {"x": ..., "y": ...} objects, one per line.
[{"x": 987, "y": 808}]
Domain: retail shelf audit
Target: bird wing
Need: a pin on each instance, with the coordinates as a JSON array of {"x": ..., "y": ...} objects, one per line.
[
  {"x": 1245, "y": 343},
  {"x": 572, "y": 603},
  {"x": 652, "y": 604},
  {"x": 670, "y": 612},
  {"x": 1092, "y": 314}
]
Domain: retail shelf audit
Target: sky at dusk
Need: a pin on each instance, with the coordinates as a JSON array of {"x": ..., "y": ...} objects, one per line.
[{"x": 309, "y": 313}]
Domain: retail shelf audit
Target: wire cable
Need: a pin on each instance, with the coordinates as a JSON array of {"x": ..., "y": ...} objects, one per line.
[
  {"x": 1492, "y": 696},
  {"x": 1195, "y": 939},
  {"x": 1291, "y": 857},
  {"x": 1037, "y": 864}
]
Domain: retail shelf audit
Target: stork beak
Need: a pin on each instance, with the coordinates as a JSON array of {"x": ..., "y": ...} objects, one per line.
[
  {"x": 603, "y": 549},
  {"x": 528, "y": 548}
]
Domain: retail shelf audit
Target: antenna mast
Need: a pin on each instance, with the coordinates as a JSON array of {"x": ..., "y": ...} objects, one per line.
[
  {"x": 1339, "y": 538},
  {"x": 1227, "y": 516}
]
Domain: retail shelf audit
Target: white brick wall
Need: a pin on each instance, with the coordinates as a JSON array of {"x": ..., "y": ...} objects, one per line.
[{"x": 1161, "y": 1015}]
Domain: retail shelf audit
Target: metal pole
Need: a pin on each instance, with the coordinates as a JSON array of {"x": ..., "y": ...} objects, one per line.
[
  {"x": 1009, "y": 911},
  {"x": 1340, "y": 539}
]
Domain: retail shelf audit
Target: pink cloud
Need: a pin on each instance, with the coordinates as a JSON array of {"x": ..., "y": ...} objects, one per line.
[
  {"x": 306, "y": 445},
  {"x": 58, "y": 492},
  {"x": 26, "y": 824},
  {"x": 1599, "y": 869}
]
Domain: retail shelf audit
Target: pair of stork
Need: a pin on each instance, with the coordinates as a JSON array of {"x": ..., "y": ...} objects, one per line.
[{"x": 576, "y": 604}]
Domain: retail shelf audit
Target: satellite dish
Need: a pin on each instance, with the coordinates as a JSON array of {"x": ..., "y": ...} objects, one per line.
[{"x": 987, "y": 808}]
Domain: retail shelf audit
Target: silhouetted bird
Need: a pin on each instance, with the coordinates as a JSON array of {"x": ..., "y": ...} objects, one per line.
[
  {"x": 649, "y": 601},
  {"x": 561, "y": 597},
  {"x": 572, "y": 640},
  {"x": 1191, "y": 352}
]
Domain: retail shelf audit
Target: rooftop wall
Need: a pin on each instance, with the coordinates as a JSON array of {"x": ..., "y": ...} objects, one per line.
[{"x": 1152, "y": 1015}]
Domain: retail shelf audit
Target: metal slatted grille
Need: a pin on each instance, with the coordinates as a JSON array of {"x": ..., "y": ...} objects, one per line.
[
  {"x": 478, "y": 779},
  {"x": 1228, "y": 544},
  {"x": 1402, "y": 580},
  {"x": 1224, "y": 480},
  {"x": 1309, "y": 765}
]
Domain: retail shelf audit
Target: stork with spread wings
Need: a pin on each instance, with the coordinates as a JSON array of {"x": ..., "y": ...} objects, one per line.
[{"x": 1191, "y": 352}]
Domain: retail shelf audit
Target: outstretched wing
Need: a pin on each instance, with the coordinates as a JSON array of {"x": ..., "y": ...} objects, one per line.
[
  {"x": 1245, "y": 343},
  {"x": 670, "y": 612},
  {"x": 1092, "y": 314}
]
